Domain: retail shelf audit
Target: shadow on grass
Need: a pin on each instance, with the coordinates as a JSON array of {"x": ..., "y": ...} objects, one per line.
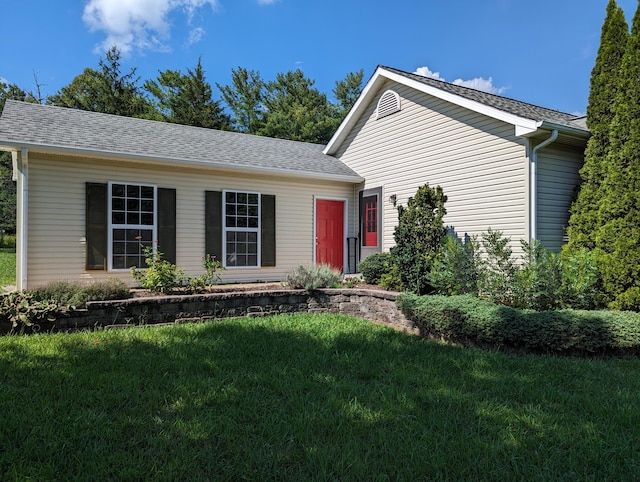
[{"x": 307, "y": 398}]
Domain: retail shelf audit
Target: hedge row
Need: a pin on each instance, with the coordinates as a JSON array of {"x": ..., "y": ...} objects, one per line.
[{"x": 468, "y": 319}]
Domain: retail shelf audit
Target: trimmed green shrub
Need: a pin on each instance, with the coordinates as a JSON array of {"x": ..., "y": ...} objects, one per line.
[
  {"x": 392, "y": 280},
  {"x": 313, "y": 277},
  {"x": 374, "y": 266},
  {"x": 468, "y": 319},
  {"x": 418, "y": 237}
]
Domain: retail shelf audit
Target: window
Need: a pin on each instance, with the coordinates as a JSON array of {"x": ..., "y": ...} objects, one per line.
[
  {"x": 241, "y": 229},
  {"x": 132, "y": 223},
  {"x": 370, "y": 221}
]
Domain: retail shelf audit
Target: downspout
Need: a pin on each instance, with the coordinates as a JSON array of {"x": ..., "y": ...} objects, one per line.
[
  {"x": 533, "y": 188},
  {"x": 21, "y": 176}
]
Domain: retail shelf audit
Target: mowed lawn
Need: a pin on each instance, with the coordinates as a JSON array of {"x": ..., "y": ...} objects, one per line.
[
  {"x": 307, "y": 397},
  {"x": 7, "y": 266}
]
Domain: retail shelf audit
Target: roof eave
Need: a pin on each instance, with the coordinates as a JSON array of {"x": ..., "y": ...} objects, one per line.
[
  {"x": 9, "y": 145},
  {"x": 523, "y": 125}
]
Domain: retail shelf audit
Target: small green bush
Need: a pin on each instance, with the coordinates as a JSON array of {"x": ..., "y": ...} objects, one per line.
[
  {"x": 455, "y": 270},
  {"x": 313, "y": 277},
  {"x": 469, "y": 319},
  {"x": 374, "y": 266},
  {"x": 162, "y": 276},
  {"x": 7, "y": 241},
  {"x": 392, "y": 280},
  {"x": 76, "y": 295}
]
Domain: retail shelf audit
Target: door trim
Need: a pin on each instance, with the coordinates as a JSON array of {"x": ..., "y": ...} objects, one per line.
[{"x": 345, "y": 220}]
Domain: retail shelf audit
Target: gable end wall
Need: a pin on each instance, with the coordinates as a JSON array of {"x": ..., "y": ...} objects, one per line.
[{"x": 477, "y": 160}]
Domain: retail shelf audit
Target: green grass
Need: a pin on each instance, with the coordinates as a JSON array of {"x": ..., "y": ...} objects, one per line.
[
  {"x": 307, "y": 398},
  {"x": 7, "y": 266}
]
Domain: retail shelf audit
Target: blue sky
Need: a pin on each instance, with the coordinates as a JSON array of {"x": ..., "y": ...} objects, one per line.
[{"x": 542, "y": 54}]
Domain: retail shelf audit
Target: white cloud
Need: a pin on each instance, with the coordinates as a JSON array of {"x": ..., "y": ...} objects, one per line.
[
  {"x": 137, "y": 24},
  {"x": 266, "y": 2},
  {"x": 478, "y": 83},
  {"x": 425, "y": 72},
  {"x": 195, "y": 35}
]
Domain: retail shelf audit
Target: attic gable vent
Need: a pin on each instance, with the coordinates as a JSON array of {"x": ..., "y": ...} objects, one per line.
[{"x": 388, "y": 104}]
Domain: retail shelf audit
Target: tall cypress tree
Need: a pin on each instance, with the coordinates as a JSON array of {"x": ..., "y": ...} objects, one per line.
[
  {"x": 583, "y": 222},
  {"x": 618, "y": 237}
]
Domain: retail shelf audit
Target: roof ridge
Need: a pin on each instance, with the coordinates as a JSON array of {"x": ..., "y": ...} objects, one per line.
[{"x": 464, "y": 87}]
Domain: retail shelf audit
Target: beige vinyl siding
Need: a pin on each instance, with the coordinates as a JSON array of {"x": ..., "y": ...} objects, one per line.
[
  {"x": 558, "y": 174},
  {"x": 477, "y": 160},
  {"x": 56, "y": 247}
]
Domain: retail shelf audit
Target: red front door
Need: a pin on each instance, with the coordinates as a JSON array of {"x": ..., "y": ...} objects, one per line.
[{"x": 330, "y": 233}]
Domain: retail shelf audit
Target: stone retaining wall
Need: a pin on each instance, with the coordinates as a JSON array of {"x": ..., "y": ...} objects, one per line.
[{"x": 376, "y": 306}]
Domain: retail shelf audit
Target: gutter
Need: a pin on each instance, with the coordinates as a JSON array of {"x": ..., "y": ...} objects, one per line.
[
  {"x": 123, "y": 156},
  {"x": 533, "y": 179}
]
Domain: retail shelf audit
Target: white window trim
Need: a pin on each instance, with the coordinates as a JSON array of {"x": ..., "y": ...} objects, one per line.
[
  {"x": 237, "y": 229},
  {"x": 112, "y": 226}
]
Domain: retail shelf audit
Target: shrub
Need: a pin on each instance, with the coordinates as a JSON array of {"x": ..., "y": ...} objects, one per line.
[
  {"x": 465, "y": 318},
  {"x": 7, "y": 240},
  {"x": 418, "y": 236},
  {"x": 497, "y": 271},
  {"x": 313, "y": 277},
  {"x": 580, "y": 279},
  {"x": 374, "y": 266},
  {"x": 22, "y": 309},
  {"x": 392, "y": 280},
  {"x": 455, "y": 270},
  {"x": 162, "y": 276},
  {"x": 538, "y": 281},
  {"x": 76, "y": 295}
]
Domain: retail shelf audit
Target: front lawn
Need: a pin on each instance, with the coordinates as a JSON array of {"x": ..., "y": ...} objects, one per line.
[
  {"x": 306, "y": 397},
  {"x": 7, "y": 266}
]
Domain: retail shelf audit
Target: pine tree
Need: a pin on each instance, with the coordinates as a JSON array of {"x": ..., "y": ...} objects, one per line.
[
  {"x": 618, "y": 237},
  {"x": 583, "y": 222}
]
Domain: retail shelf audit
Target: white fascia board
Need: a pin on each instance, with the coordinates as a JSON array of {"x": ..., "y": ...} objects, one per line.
[
  {"x": 353, "y": 114},
  {"x": 522, "y": 125},
  {"x": 222, "y": 166}
]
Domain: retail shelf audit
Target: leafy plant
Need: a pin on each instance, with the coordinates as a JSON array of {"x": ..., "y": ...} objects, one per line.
[
  {"x": 538, "y": 281},
  {"x": 418, "y": 237},
  {"x": 497, "y": 271},
  {"x": 374, "y": 266},
  {"x": 22, "y": 309},
  {"x": 76, "y": 295},
  {"x": 162, "y": 276},
  {"x": 455, "y": 270},
  {"x": 313, "y": 277},
  {"x": 580, "y": 279}
]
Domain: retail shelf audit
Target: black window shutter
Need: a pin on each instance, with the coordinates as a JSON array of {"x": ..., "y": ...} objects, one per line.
[
  {"x": 167, "y": 223},
  {"x": 96, "y": 226},
  {"x": 213, "y": 223},
  {"x": 268, "y": 230}
]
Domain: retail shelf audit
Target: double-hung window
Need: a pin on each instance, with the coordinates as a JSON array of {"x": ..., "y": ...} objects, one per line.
[
  {"x": 132, "y": 223},
  {"x": 241, "y": 247}
]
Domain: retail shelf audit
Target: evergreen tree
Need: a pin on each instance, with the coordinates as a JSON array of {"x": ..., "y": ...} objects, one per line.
[
  {"x": 106, "y": 90},
  {"x": 296, "y": 110},
  {"x": 245, "y": 97},
  {"x": 583, "y": 223},
  {"x": 187, "y": 99},
  {"x": 418, "y": 237},
  {"x": 618, "y": 237},
  {"x": 347, "y": 92}
]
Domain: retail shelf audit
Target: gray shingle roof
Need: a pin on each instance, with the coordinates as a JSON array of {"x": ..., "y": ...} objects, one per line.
[
  {"x": 505, "y": 104},
  {"x": 23, "y": 124}
]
